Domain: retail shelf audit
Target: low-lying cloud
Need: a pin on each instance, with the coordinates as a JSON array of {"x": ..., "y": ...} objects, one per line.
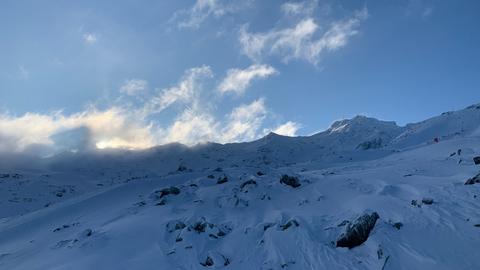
[{"x": 124, "y": 125}]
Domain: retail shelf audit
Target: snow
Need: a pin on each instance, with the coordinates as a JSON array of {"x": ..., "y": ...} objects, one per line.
[{"x": 109, "y": 216}]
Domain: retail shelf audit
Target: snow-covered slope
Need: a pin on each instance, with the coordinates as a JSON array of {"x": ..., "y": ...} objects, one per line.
[{"x": 225, "y": 207}]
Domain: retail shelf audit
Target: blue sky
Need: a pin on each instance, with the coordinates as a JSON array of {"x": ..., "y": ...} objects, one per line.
[{"x": 136, "y": 74}]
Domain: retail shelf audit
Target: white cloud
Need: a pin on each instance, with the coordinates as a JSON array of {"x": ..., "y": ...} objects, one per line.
[
  {"x": 108, "y": 128},
  {"x": 133, "y": 126},
  {"x": 238, "y": 80},
  {"x": 302, "y": 41},
  {"x": 305, "y": 8},
  {"x": 133, "y": 87},
  {"x": 192, "y": 126},
  {"x": 244, "y": 122},
  {"x": 184, "y": 91},
  {"x": 202, "y": 9},
  {"x": 288, "y": 129},
  {"x": 90, "y": 38}
]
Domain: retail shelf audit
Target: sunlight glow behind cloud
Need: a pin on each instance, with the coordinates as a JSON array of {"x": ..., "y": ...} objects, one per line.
[{"x": 126, "y": 126}]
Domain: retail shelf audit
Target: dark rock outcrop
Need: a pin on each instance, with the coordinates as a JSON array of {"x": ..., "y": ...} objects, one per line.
[
  {"x": 289, "y": 224},
  {"x": 373, "y": 144},
  {"x": 476, "y": 160},
  {"x": 167, "y": 191},
  {"x": 175, "y": 225},
  {"x": 427, "y": 200},
  {"x": 248, "y": 183},
  {"x": 290, "y": 181},
  {"x": 357, "y": 232},
  {"x": 208, "y": 262},
  {"x": 222, "y": 180},
  {"x": 473, "y": 180}
]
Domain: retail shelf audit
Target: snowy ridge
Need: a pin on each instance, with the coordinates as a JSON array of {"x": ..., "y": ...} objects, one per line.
[{"x": 216, "y": 206}]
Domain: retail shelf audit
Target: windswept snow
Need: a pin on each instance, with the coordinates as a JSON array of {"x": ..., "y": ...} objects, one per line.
[{"x": 275, "y": 203}]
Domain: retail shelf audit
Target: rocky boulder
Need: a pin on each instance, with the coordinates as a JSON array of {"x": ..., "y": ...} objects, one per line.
[
  {"x": 473, "y": 180},
  {"x": 476, "y": 160},
  {"x": 290, "y": 181},
  {"x": 357, "y": 233}
]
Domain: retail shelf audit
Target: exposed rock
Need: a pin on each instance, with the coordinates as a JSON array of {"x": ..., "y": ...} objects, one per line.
[
  {"x": 427, "y": 200},
  {"x": 373, "y": 144},
  {"x": 208, "y": 262},
  {"x": 87, "y": 233},
  {"x": 222, "y": 180},
  {"x": 248, "y": 183},
  {"x": 397, "y": 225},
  {"x": 200, "y": 226},
  {"x": 166, "y": 191},
  {"x": 473, "y": 180},
  {"x": 343, "y": 223},
  {"x": 357, "y": 232},
  {"x": 290, "y": 181},
  {"x": 289, "y": 224},
  {"x": 379, "y": 252},
  {"x": 182, "y": 168},
  {"x": 415, "y": 203},
  {"x": 175, "y": 225},
  {"x": 476, "y": 160}
]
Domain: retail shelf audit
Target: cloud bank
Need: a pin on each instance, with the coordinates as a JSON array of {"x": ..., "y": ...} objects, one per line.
[{"x": 124, "y": 125}]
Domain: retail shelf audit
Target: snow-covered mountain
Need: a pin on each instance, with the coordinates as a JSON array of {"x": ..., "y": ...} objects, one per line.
[{"x": 395, "y": 195}]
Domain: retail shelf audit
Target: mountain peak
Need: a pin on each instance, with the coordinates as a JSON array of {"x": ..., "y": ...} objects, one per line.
[{"x": 360, "y": 121}]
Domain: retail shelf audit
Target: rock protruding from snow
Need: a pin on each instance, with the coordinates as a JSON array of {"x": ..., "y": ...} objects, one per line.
[
  {"x": 208, "y": 262},
  {"x": 427, "y": 200},
  {"x": 245, "y": 185},
  {"x": 290, "y": 181},
  {"x": 167, "y": 191},
  {"x": 175, "y": 225},
  {"x": 290, "y": 223},
  {"x": 222, "y": 180},
  {"x": 476, "y": 160},
  {"x": 357, "y": 232},
  {"x": 473, "y": 180}
]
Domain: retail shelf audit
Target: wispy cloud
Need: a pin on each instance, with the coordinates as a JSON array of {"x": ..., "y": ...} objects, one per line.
[
  {"x": 238, "y": 80},
  {"x": 305, "y": 40},
  {"x": 294, "y": 8},
  {"x": 244, "y": 122},
  {"x": 133, "y": 87},
  {"x": 89, "y": 38},
  {"x": 203, "y": 9},
  {"x": 422, "y": 8},
  {"x": 184, "y": 91},
  {"x": 288, "y": 129}
]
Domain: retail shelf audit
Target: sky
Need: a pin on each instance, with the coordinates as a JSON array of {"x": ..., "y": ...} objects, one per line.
[{"x": 134, "y": 74}]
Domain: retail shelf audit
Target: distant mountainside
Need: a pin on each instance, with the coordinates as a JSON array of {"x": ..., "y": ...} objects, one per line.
[
  {"x": 346, "y": 140},
  {"x": 363, "y": 194}
]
